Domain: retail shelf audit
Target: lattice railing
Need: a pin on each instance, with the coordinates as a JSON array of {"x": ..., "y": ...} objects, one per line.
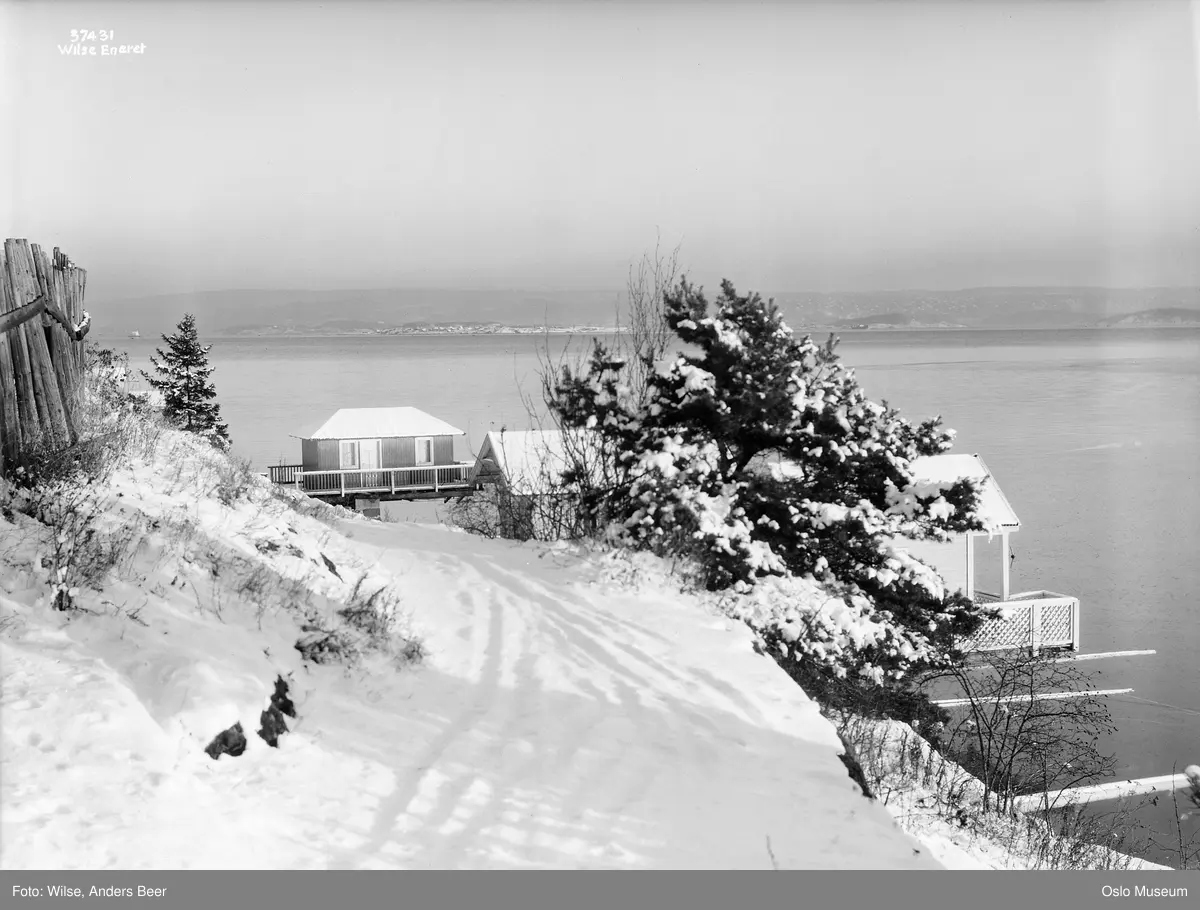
[{"x": 1036, "y": 619}]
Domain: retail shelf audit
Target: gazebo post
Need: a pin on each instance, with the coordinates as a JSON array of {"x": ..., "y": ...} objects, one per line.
[
  {"x": 970, "y": 565},
  {"x": 1004, "y": 565}
]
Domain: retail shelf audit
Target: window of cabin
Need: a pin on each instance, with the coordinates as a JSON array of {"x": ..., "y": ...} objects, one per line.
[
  {"x": 360, "y": 454},
  {"x": 425, "y": 450}
]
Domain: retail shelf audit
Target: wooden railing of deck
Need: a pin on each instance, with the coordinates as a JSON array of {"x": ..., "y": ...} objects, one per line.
[
  {"x": 1032, "y": 619},
  {"x": 383, "y": 480},
  {"x": 284, "y": 473}
]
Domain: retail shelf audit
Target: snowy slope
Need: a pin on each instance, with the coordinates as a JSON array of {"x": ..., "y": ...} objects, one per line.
[{"x": 572, "y": 710}]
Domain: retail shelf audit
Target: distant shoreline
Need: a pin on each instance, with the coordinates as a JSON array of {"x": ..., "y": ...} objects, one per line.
[{"x": 611, "y": 330}]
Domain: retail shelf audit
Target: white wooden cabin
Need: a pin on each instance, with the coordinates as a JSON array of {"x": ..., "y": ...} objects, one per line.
[{"x": 399, "y": 453}]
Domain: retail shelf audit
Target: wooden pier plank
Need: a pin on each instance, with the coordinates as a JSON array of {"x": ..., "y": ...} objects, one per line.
[
  {"x": 1163, "y": 783},
  {"x": 1040, "y": 696}
]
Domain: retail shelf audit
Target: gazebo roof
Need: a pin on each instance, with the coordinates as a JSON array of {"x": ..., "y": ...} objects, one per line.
[{"x": 994, "y": 508}]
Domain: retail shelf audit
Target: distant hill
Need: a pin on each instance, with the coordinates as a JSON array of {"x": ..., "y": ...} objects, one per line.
[
  {"x": 884, "y": 319},
  {"x": 1001, "y": 307},
  {"x": 1162, "y": 316},
  {"x": 219, "y": 312},
  {"x": 225, "y": 312}
]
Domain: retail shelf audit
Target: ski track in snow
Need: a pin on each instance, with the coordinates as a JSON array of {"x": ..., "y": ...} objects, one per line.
[{"x": 511, "y": 732}]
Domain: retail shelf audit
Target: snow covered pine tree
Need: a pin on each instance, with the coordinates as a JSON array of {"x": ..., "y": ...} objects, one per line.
[
  {"x": 182, "y": 377},
  {"x": 761, "y": 458}
]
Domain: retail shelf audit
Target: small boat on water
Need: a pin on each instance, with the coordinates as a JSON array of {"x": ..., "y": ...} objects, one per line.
[{"x": 135, "y": 334}]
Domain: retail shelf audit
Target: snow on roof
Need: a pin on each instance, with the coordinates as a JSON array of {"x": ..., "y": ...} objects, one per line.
[
  {"x": 523, "y": 457},
  {"x": 994, "y": 507},
  {"x": 380, "y": 423}
]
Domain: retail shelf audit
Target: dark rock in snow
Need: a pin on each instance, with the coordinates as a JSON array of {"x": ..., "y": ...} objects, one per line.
[
  {"x": 272, "y": 726},
  {"x": 272, "y": 723},
  {"x": 281, "y": 699},
  {"x": 330, "y": 566},
  {"x": 228, "y": 742}
]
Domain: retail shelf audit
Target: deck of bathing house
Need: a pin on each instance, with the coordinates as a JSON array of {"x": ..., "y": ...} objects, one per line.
[{"x": 378, "y": 454}]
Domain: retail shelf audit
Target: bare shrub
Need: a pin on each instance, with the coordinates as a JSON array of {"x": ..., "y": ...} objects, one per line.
[
  {"x": 533, "y": 499},
  {"x": 374, "y": 615},
  {"x": 1018, "y": 742},
  {"x": 901, "y": 768},
  {"x": 572, "y": 471},
  {"x": 235, "y": 478},
  {"x": 647, "y": 336},
  {"x": 1077, "y": 838},
  {"x": 1182, "y": 843},
  {"x": 482, "y": 513},
  {"x": 71, "y": 549},
  {"x": 369, "y": 622}
]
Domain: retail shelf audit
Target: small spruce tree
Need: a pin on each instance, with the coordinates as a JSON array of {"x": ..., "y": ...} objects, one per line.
[{"x": 183, "y": 378}]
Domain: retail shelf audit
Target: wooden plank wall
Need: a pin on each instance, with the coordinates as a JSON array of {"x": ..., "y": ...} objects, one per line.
[
  {"x": 308, "y": 454},
  {"x": 399, "y": 452},
  {"x": 41, "y": 359}
]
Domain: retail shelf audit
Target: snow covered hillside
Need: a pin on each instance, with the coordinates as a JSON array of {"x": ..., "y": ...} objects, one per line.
[{"x": 527, "y": 707}]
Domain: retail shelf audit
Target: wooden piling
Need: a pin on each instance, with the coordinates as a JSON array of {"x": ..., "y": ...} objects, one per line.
[{"x": 42, "y": 323}]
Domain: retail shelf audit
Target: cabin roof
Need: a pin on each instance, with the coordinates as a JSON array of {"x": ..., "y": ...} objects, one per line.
[
  {"x": 379, "y": 423},
  {"x": 524, "y": 457},
  {"x": 994, "y": 508}
]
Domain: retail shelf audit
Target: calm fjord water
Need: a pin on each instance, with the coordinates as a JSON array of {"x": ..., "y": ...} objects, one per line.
[{"x": 1093, "y": 435}]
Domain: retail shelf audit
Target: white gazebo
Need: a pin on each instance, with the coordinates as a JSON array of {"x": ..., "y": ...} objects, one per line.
[{"x": 1029, "y": 618}]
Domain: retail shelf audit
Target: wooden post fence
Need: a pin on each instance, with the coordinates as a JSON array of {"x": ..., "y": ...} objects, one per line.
[{"x": 42, "y": 325}]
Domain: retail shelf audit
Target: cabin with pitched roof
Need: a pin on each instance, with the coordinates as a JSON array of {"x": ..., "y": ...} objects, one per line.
[
  {"x": 387, "y": 453},
  {"x": 525, "y": 462},
  {"x": 523, "y": 470}
]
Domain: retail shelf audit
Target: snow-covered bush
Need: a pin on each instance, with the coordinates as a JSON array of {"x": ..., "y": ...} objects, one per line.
[
  {"x": 234, "y": 478},
  {"x": 760, "y": 456}
]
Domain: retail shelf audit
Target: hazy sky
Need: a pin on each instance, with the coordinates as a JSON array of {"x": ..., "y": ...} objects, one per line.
[{"x": 789, "y": 146}]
